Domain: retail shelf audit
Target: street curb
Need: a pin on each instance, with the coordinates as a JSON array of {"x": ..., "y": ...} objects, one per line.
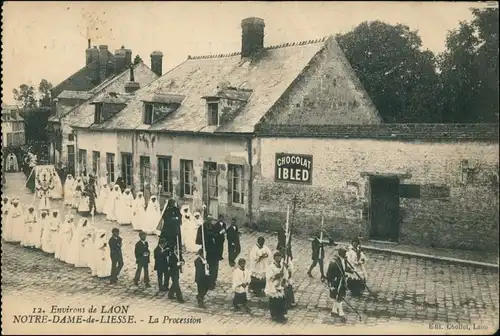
[{"x": 431, "y": 257}]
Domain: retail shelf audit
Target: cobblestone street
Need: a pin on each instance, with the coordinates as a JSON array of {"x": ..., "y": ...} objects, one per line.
[{"x": 410, "y": 291}]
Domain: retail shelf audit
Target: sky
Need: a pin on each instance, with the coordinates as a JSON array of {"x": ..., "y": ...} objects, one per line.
[{"x": 48, "y": 39}]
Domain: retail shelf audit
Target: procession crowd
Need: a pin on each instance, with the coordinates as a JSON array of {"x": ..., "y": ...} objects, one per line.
[{"x": 81, "y": 244}]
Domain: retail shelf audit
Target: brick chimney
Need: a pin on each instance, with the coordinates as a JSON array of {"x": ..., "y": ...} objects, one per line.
[
  {"x": 91, "y": 54},
  {"x": 156, "y": 62},
  {"x": 120, "y": 57},
  {"x": 128, "y": 58},
  {"x": 103, "y": 62},
  {"x": 252, "y": 36},
  {"x": 132, "y": 85}
]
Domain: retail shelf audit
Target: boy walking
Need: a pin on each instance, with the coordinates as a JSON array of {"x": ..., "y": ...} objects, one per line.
[
  {"x": 161, "y": 266},
  {"x": 142, "y": 259},
  {"x": 202, "y": 278},
  {"x": 115, "y": 249},
  {"x": 233, "y": 242},
  {"x": 240, "y": 285}
]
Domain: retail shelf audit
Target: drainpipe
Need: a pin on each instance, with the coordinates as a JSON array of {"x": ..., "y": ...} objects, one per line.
[{"x": 250, "y": 180}]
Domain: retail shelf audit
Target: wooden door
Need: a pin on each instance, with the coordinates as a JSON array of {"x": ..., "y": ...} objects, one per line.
[{"x": 384, "y": 208}]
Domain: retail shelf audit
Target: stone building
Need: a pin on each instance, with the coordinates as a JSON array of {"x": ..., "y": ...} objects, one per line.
[
  {"x": 245, "y": 132},
  {"x": 13, "y": 133},
  {"x": 104, "y": 72}
]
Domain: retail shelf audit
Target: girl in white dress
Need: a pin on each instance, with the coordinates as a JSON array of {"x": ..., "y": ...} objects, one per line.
[
  {"x": 65, "y": 237},
  {"x": 114, "y": 199},
  {"x": 108, "y": 205},
  {"x": 50, "y": 244},
  {"x": 101, "y": 199},
  {"x": 102, "y": 255},
  {"x": 46, "y": 222},
  {"x": 12, "y": 164},
  {"x": 69, "y": 189},
  {"x": 125, "y": 208},
  {"x": 151, "y": 216},
  {"x": 16, "y": 222},
  {"x": 5, "y": 216},
  {"x": 139, "y": 209},
  {"x": 30, "y": 220},
  {"x": 77, "y": 242},
  {"x": 77, "y": 192},
  {"x": 84, "y": 235},
  {"x": 57, "y": 192}
]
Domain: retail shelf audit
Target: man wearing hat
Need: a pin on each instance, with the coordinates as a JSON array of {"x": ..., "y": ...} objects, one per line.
[{"x": 337, "y": 281}]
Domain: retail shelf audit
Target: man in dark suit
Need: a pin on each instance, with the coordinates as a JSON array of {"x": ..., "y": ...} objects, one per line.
[
  {"x": 142, "y": 259},
  {"x": 337, "y": 281},
  {"x": 202, "y": 278},
  {"x": 161, "y": 265},
  {"x": 220, "y": 228},
  {"x": 115, "y": 249},
  {"x": 318, "y": 254},
  {"x": 233, "y": 242},
  {"x": 212, "y": 253}
]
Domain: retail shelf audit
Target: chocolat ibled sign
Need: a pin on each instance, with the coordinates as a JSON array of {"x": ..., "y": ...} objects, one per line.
[{"x": 293, "y": 168}]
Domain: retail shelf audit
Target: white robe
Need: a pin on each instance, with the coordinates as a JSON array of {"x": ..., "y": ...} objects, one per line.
[
  {"x": 108, "y": 205},
  {"x": 139, "y": 209},
  {"x": 125, "y": 208},
  {"x": 274, "y": 286},
  {"x": 5, "y": 218},
  {"x": 30, "y": 230},
  {"x": 46, "y": 224},
  {"x": 102, "y": 258},
  {"x": 77, "y": 243},
  {"x": 101, "y": 199},
  {"x": 113, "y": 201},
  {"x": 190, "y": 229},
  {"x": 86, "y": 242},
  {"x": 358, "y": 264},
  {"x": 84, "y": 204},
  {"x": 15, "y": 232},
  {"x": 69, "y": 190},
  {"x": 55, "y": 226},
  {"x": 258, "y": 268},
  {"x": 57, "y": 192},
  {"x": 64, "y": 241},
  {"x": 151, "y": 217}
]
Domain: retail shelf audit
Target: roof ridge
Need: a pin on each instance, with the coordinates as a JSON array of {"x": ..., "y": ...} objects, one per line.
[{"x": 283, "y": 45}]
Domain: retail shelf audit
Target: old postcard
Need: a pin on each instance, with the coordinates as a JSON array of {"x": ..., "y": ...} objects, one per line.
[{"x": 250, "y": 168}]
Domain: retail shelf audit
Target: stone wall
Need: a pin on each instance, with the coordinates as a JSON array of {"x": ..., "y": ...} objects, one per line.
[{"x": 467, "y": 219}]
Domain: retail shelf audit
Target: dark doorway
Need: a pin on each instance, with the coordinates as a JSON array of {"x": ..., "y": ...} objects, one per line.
[{"x": 384, "y": 208}]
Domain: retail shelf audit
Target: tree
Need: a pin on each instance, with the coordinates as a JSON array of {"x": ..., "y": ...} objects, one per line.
[
  {"x": 398, "y": 75},
  {"x": 25, "y": 96},
  {"x": 138, "y": 59},
  {"x": 469, "y": 70},
  {"x": 45, "y": 94}
]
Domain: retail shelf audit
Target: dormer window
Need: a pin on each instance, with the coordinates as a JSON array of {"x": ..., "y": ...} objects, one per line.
[
  {"x": 98, "y": 118},
  {"x": 213, "y": 113},
  {"x": 148, "y": 114}
]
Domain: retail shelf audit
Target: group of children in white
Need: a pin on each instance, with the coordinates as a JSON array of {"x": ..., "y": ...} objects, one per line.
[{"x": 83, "y": 245}]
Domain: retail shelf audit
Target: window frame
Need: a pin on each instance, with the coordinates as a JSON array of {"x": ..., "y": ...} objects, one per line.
[
  {"x": 211, "y": 114},
  {"x": 96, "y": 163},
  {"x": 142, "y": 170},
  {"x": 237, "y": 177},
  {"x": 190, "y": 175},
  {"x": 148, "y": 106},
  {"x": 211, "y": 167},
  {"x": 110, "y": 167},
  {"x": 161, "y": 169},
  {"x": 128, "y": 177},
  {"x": 82, "y": 161}
]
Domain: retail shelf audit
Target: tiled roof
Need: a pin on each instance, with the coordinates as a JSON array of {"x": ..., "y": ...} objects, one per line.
[
  {"x": 11, "y": 113},
  {"x": 82, "y": 80},
  {"x": 453, "y": 132},
  {"x": 67, "y": 94},
  {"x": 165, "y": 98},
  {"x": 83, "y": 115},
  {"x": 268, "y": 76},
  {"x": 112, "y": 98}
]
